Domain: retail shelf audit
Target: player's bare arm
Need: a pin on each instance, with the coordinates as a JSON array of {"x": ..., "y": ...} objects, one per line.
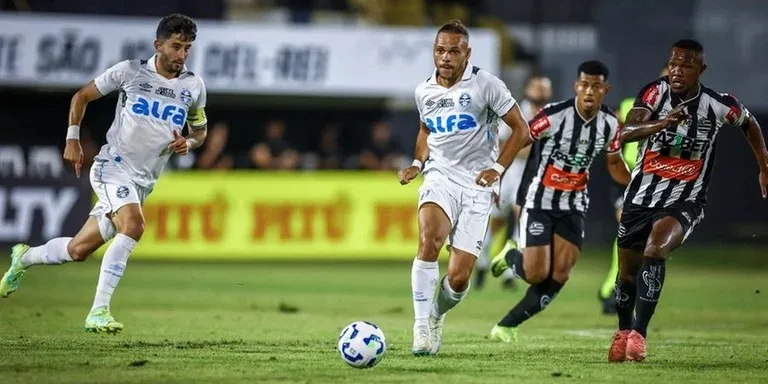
[
  {"x": 419, "y": 156},
  {"x": 638, "y": 126},
  {"x": 73, "y": 152},
  {"x": 519, "y": 139},
  {"x": 617, "y": 168},
  {"x": 756, "y": 140}
]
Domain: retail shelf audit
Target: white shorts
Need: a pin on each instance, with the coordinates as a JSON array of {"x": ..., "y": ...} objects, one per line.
[
  {"x": 114, "y": 188},
  {"x": 510, "y": 183},
  {"x": 468, "y": 210}
]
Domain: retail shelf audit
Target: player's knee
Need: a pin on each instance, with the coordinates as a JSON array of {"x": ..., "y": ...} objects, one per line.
[
  {"x": 429, "y": 246},
  {"x": 536, "y": 274},
  {"x": 561, "y": 274},
  {"x": 78, "y": 250},
  {"x": 133, "y": 228},
  {"x": 654, "y": 251},
  {"x": 458, "y": 279}
]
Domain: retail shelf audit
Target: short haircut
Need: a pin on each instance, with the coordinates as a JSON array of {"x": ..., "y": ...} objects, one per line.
[
  {"x": 454, "y": 26},
  {"x": 691, "y": 45},
  {"x": 593, "y": 67},
  {"x": 176, "y": 23}
]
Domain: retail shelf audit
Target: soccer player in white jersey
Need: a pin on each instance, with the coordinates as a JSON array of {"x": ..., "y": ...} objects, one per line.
[
  {"x": 459, "y": 108},
  {"x": 157, "y": 98}
]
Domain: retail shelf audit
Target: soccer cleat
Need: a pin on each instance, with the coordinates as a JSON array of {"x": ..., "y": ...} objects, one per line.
[
  {"x": 100, "y": 320},
  {"x": 499, "y": 262},
  {"x": 618, "y": 351},
  {"x": 635, "y": 347},
  {"x": 12, "y": 278},
  {"x": 505, "y": 334},
  {"x": 421, "y": 338},
  {"x": 435, "y": 334}
]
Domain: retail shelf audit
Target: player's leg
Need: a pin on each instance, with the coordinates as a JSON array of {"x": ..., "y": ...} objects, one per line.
[
  {"x": 513, "y": 238},
  {"x": 606, "y": 293},
  {"x": 484, "y": 259},
  {"x": 436, "y": 207},
  {"x": 667, "y": 234}
]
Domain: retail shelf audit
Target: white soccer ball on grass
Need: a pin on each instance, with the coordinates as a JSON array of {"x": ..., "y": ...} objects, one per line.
[{"x": 362, "y": 344}]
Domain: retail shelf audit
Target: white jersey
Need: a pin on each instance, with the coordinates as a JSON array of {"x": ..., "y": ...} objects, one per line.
[
  {"x": 150, "y": 107},
  {"x": 463, "y": 123}
]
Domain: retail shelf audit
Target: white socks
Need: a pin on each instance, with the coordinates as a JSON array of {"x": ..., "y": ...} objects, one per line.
[
  {"x": 53, "y": 252},
  {"x": 424, "y": 275},
  {"x": 447, "y": 298},
  {"x": 112, "y": 267}
]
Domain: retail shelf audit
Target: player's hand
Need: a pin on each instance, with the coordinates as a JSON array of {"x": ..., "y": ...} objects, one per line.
[
  {"x": 676, "y": 116},
  {"x": 407, "y": 174},
  {"x": 73, "y": 153},
  {"x": 487, "y": 177},
  {"x": 179, "y": 145},
  {"x": 763, "y": 178}
]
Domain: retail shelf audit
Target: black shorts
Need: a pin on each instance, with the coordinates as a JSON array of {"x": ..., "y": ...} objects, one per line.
[
  {"x": 538, "y": 226},
  {"x": 637, "y": 222}
]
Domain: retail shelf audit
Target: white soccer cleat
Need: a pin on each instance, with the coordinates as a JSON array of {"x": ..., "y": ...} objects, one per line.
[
  {"x": 435, "y": 333},
  {"x": 421, "y": 337}
]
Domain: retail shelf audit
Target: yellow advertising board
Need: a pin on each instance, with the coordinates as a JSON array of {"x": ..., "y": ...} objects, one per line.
[{"x": 275, "y": 215}]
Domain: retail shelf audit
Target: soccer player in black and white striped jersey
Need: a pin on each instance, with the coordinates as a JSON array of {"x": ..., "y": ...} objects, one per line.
[
  {"x": 567, "y": 136},
  {"x": 677, "y": 120}
]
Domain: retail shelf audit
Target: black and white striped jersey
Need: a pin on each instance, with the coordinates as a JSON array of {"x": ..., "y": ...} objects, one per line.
[
  {"x": 565, "y": 144},
  {"x": 676, "y": 164}
]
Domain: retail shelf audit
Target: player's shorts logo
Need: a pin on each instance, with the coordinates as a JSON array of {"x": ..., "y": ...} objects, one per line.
[
  {"x": 535, "y": 228},
  {"x": 465, "y": 100},
  {"x": 122, "y": 192}
]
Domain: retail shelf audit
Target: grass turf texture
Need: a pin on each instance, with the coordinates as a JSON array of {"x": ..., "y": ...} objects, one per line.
[{"x": 219, "y": 322}]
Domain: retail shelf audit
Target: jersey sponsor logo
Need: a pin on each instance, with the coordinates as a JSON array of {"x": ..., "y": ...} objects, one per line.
[
  {"x": 671, "y": 167},
  {"x": 651, "y": 96},
  {"x": 577, "y": 160},
  {"x": 451, "y": 122},
  {"x": 560, "y": 180},
  {"x": 681, "y": 143},
  {"x": 539, "y": 126},
  {"x": 164, "y": 112}
]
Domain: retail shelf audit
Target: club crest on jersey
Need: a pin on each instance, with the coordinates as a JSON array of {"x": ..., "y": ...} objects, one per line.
[
  {"x": 465, "y": 100},
  {"x": 164, "y": 112},
  {"x": 451, "y": 122},
  {"x": 186, "y": 97}
]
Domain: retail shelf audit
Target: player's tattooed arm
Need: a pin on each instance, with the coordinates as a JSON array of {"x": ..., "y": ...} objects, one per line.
[
  {"x": 420, "y": 155},
  {"x": 638, "y": 126},
  {"x": 756, "y": 140},
  {"x": 197, "y": 135}
]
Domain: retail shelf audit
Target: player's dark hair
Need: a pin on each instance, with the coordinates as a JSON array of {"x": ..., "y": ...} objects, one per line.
[
  {"x": 689, "y": 44},
  {"x": 454, "y": 26},
  {"x": 176, "y": 23},
  {"x": 593, "y": 67}
]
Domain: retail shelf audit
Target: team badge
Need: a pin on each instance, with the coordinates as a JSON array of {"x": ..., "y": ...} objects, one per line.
[
  {"x": 186, "y": 97},
  {"x": 122, "y": 192},
  {"x": 465, "y": 100}
]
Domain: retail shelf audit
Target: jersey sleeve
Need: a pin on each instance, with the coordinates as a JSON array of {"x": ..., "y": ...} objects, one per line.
[
  {"x": 196, "y": 116},
  {"x": 650, "y": 96},
  {"x": 734, "y": 113},
  {"x": 541, "y": 125},
  {"x": 614, "y": 145},
  {"x": 417, "y": 97},
  {"x": 499, "y": 97},
  {"x": 113, "y": 78}
]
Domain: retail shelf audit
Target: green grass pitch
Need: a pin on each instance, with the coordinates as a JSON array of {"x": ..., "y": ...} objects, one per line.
[{"x": 272, "y": 322}]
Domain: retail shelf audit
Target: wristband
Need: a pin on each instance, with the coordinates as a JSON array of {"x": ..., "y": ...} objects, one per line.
[
  {"x": 73, "y": 132},
  {"x": 498, "y": 168},
  {"x": 190, "y": 144},
  {"x": 417, "y": 163}
]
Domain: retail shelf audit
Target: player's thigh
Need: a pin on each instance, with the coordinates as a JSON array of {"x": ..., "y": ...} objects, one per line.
[
  {"x": 666, "y": 234},
  {"x": 87, "y": 240},
  {"x": 118, "y": 198},
  {"x": 472, "y": 221},
  {"x": 565, "y": 254}
]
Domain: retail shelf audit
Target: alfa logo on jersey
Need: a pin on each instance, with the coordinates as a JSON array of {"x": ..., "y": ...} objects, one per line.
[
  {"x": 451, "y": 122},
  {"x": 148, "y": 107}
]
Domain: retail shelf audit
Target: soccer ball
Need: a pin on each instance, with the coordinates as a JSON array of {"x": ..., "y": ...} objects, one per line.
[{"x": 362, "y": 344}]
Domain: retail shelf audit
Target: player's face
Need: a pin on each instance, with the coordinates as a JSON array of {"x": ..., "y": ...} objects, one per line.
[
  {"x": 590, "y": 91},
  {"x": 685, "y": 68},
  {"x": 539, "y": 90},
  {"x": 173, "y": 52},
  {"x": 451, "y": 52}
]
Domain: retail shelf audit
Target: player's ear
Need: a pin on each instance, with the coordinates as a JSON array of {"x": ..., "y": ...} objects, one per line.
[
  {"x": 703, "y": 68},
  {"x": 576, "y": 87},
  {"x": 469, "y": 52},
  {"x": 157, "y": 45},
  {"x": 607, "y": 87}
]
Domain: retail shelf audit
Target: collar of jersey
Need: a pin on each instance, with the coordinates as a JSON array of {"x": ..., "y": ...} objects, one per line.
[
  {"x": 151, "y": 66},
  {"x": 466, "y": 76},
  {"x": 669, "y": 90}
]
